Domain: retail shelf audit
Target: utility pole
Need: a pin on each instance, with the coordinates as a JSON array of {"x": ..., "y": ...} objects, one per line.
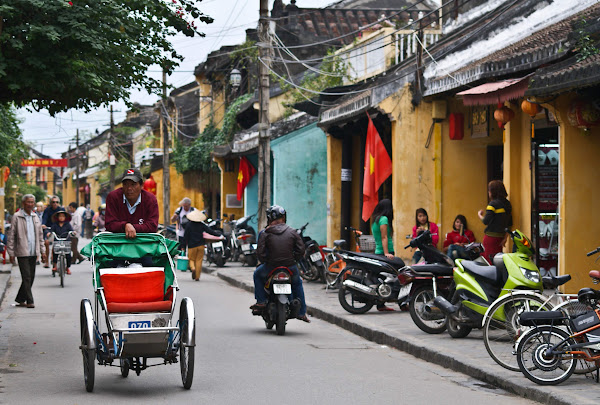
[
  {"x": 166, "y": 142},
  {"x": 111, "y": 150},
  {"x": 77, "y": 168},
  {"x": 264, "y": 142}
]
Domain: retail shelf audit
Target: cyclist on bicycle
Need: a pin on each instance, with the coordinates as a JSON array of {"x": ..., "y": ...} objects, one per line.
[{"x": 61, "y": 227}]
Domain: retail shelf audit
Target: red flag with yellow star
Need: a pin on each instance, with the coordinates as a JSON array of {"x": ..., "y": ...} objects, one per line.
[
  {"x": 246, "y": 172},
  {"x": 378, "y": 167}
]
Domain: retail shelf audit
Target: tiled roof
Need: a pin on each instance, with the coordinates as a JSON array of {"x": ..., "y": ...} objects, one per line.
[
  {"x": 565, "y": 76},
  {"x": 545, "y": 46}
]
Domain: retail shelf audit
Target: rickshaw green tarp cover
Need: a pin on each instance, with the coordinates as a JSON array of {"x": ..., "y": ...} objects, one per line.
[{"x": 115, "y": 246}]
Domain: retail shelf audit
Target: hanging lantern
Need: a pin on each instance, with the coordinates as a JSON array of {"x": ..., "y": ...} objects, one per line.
[
  {"x": 456, "y": 123},
  {"x": 530, "y": 108},
  {"x": 503, "y": 114},
  {"x": 150, "y": 185},
  {"x": 584, "y": 113},
  {"x": 6, "y": 173}
]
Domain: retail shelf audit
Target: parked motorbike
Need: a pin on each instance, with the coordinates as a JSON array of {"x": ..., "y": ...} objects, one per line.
[
  {"x": 217, "y": 251},
  {"x": 422, "y": 283},
  {"x": 242, "y": 241},
  {"x": 312, "y": 265},
  {"x": 368, "y": 279},
  {"x": 478, "y": 286},
  {"x": 280, "y": 306}
]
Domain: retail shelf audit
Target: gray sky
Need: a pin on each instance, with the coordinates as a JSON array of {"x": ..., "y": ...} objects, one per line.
[{"x": 51, "y": 135}]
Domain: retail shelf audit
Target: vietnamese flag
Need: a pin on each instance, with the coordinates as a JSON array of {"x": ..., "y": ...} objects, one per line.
[
  {"x": 247, "y": 171},
  {"x": 378, "y": 167}
]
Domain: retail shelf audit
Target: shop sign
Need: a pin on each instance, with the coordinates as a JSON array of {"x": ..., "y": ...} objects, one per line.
[
  {"x": 44, "y": 162},
  {"x": 479, "y": 122}
]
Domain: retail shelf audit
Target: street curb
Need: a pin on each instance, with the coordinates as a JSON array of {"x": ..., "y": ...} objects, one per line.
[
  {"x": 5, "y": 277},
  {"x": 534, "y": 393}
]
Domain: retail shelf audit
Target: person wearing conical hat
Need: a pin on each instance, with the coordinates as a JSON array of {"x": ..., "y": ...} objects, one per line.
[
  {"x": 193, "y": 237},
  {"x": 61, "y": 226}
]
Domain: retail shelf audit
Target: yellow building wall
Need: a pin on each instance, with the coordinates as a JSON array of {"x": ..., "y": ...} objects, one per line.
[
  {"x": 178, "y": 191},
  {"x": 579, "y": 194},
  {"x": 228, "y": 186},
  {"x": 464, "y": 173},
  {"x": 334, "y": 188}
]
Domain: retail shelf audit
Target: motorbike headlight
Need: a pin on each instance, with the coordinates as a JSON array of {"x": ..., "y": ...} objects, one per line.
[{"x": 531, "y": 275}]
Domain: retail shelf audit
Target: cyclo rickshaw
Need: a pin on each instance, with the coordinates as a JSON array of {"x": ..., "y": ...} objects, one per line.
[{"x": 138, "y": 305}]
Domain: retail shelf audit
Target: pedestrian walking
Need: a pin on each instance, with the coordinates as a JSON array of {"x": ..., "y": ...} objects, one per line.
[
  {"x": 76, "y": 224},
  {"x": 180, "y": 219},
  {"x": 24, "y": 242},
  {"x": 194, "y": 240},
  {"x": 88, "y": 219}
]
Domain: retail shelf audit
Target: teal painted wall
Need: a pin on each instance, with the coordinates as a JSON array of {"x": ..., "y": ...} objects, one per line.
[{"x": 300, "y": 179}]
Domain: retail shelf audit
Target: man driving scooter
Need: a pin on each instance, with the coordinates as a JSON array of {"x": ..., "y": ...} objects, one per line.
[{"x": 278, "y": 245}]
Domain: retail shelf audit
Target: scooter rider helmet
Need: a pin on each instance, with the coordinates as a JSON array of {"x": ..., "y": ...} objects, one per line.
[{"x": 275, "y": 212}]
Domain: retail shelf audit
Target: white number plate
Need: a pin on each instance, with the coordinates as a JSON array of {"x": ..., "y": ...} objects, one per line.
[
  {"x": 282, "y": 288},
  {"x": 218, "y": 245},
  {"x": 246, "y": 247},
  {"x": 404, "y": 290},
  {"x": 139, "y": 324},
  {"x": 315, "y": 257}
]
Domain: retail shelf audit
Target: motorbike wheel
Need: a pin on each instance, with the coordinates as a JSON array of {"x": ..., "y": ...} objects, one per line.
[
  {"x": 350, "y": 304},
  {"x": 220, "y": 261},
  {"x": 281, "y": 318},
  {"x": 502, "y": 329},
  {"x": 251, "y": 261},
  {"x": 536, "y": 365},
  {"x": 458, "y": 330},
  {"x": 427, "y": 322},
  {"x": 235, "y": 254},
  {"x": 269, "y": 325},
  {"x": 307, "y": 270}
]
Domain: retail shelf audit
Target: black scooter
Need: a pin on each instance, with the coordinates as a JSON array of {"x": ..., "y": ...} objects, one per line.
[
  {"x": 312, "y": 265},
  {"x": 368, "y": 279},
  {"x": 219, "y": 251}
]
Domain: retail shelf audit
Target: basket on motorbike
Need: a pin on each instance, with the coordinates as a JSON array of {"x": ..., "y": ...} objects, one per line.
[
  {"x": 366, "y": 243},
  {"x": 138, "y": 304}
]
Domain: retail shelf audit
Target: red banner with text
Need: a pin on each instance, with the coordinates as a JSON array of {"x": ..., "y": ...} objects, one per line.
[{"x": 45, "y": 162}]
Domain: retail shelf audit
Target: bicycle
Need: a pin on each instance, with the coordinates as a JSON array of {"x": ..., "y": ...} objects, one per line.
[
  {"x": 334, "y": 262},
  {"x": 548, "y": 353},
  {"x": 61, "y": 247}
]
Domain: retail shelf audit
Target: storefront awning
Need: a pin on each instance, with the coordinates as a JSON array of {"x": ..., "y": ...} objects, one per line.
[{"x": 496, "y": 92}]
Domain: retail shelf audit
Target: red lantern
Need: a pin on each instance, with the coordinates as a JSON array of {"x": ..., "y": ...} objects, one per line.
[
  {"x": 503, "y": 114},
  {"x": 6, "y": 173},
  {"x": 150, "y": 185},
  {"x": 584, "y": 113},
  {"x": 457, "y": 126}
]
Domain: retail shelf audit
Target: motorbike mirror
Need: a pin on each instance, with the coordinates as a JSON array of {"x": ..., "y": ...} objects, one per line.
[
  {"x": 407, "y": 246},
  {"x": 225, "y": 216}
]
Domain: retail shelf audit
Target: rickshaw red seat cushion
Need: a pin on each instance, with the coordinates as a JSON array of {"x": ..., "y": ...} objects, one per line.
[
  {"x": 133, "y": 285},
  {"x": 130, "y": 307}
]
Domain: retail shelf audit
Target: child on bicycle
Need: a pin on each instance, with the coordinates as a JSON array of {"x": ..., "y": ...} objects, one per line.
[{"x": 61, "y": 227}]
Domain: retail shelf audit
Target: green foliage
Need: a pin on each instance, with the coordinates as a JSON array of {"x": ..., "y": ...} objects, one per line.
[
  {"x": 14, "y": 194},
  {"x": 333, "y": 71},
  {"x": 245, "y": 54},
  {"x": 58, "y": 54},
  {"x": 11, "y": 139},
  {"x": 197, "y": 156},
  {"x": 585, "y": 44}
]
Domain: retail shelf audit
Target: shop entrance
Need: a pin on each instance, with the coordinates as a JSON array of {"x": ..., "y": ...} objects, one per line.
[{"x": 545, "y": 209}]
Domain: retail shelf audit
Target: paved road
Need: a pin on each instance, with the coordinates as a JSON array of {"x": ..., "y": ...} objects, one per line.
[{"x": 237, "y": 359}]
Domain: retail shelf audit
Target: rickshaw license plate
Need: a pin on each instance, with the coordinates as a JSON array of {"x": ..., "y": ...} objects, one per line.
[
  {"x": 139, "y": 324},
  {"x": 282, "y": 288},
  {"x": 315, "y": 257}
]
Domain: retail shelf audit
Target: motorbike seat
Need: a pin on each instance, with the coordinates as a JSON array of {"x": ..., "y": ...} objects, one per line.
[
  {"x": 435, "y": 269},
  {"x": 491, "y": 273},
  {"x": 396, "y": 262},
  {"x": 553, "y": 282},
  {"x": 340, "y": 243}
]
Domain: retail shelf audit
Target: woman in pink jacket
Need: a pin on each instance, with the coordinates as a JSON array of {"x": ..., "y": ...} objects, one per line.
[{"x": 422, "y": 224}]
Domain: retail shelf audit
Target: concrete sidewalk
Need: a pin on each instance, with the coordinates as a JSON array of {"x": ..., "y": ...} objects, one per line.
[{"x": 396, "y": 329}]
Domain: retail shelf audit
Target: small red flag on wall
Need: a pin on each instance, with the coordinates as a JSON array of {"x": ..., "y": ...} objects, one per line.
[
  {"x": 246, "y": 172},
  {"x": 378, "y": 167}
]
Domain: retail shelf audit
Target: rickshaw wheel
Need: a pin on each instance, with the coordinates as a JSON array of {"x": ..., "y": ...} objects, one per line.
[
  {"x": 125, "y": 367},
  {"x": 89, "y": 354},
  {"x": 187, "y": 325}
]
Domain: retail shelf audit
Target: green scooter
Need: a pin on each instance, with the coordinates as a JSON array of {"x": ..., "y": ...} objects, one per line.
[{"x": 478, "y": 286}]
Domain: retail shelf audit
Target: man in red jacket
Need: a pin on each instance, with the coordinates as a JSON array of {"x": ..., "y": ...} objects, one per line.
[{"x": 130, "y": 209}]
